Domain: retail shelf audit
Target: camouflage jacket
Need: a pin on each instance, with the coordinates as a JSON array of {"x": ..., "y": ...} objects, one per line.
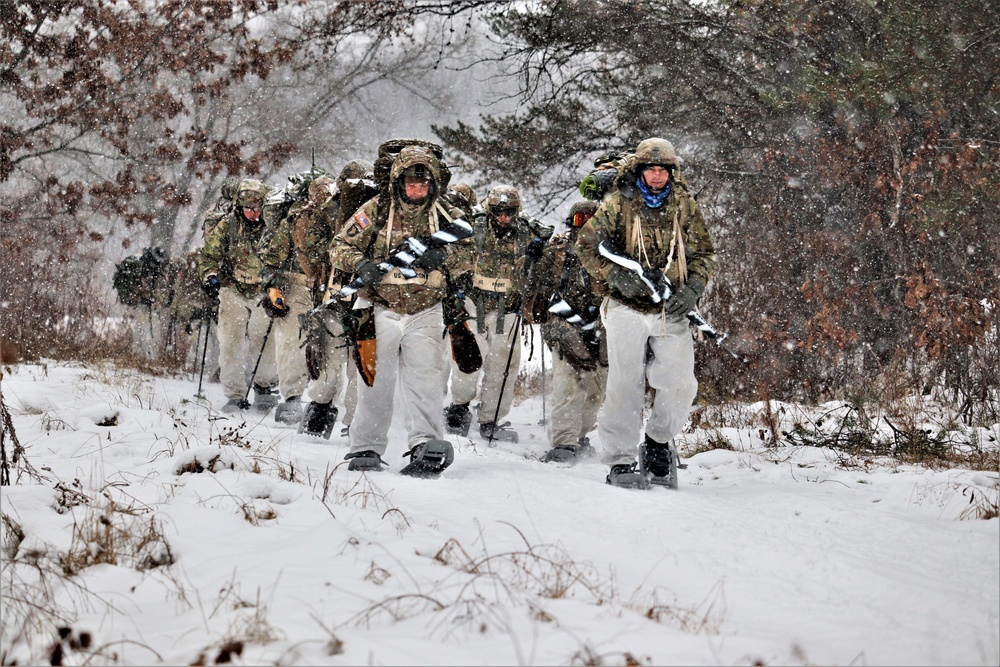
[
  {"x": 297, "y": 250},
  {"x": 647, "y": 235},
  {"x": 231, "y": 252},
  {"x": 497, "y": 281},
  {"x": 363, "y": 237},
  {"x": 560, "y": 275}
]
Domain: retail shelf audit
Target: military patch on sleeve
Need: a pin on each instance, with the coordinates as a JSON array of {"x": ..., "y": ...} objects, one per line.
[{"x": 362, "y": 220}]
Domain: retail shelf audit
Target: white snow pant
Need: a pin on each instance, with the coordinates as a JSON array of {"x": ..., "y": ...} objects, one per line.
[
  {"x": 149, "y": 332},
  {"x": 289, "y": 351},
  {"x": 242, "y": 326},
  {"x": 577, "y": 397},
  {"x": 410, "y": 352},
  {"x": 351, "y": 393},
  {"x": 670, "y": 373},
  {"x": 495, "y": 349},
  {"x": 197, "y": 348},
  {"x": 326, "y": 388}
]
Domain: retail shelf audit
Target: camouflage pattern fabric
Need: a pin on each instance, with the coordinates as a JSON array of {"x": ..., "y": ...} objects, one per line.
[
  {"x": 231, "y": 252},
  {"x": 620, "y": 214},
  {"x": 365, "y": 237}
]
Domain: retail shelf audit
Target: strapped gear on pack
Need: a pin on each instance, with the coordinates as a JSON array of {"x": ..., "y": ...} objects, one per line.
[{"x": 388, "y": 152}]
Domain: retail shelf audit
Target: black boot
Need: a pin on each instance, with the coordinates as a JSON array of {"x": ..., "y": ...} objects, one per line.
[
  {"x": 457, "y": 419},
  {"x": 658, "y": 462},
  {"x": 366, "y": 461},
  {"x": 429, "y": 459},
  {"x": 289, "y": 412}
]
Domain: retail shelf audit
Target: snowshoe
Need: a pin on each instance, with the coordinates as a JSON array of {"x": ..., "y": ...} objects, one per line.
[
  {"x": 366, "y": 461},
  {"x": 458, "y": 419},
  {"x": 625, "y": 475},
  {"x": 289, "y": 412},
  {"x": 658, "y": 463},
  {"x": 264, "y": 398},
  {"x": 493, "y": 432},
  {"x": 235, "y": 405},
  {"x": 318, "y": 419},
  {"x": 429, "y": 459},
  {"x": 562, "y": 454},
  {"x": 584, "y": 450}
]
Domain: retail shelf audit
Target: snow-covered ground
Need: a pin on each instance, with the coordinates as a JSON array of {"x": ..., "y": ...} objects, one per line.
[{"x": 217, "y": 540}]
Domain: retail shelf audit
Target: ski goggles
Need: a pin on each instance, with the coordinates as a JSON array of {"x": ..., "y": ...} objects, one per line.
[
  {"x": 509, "y": 211},
  {"x": 580, "y": 218}
]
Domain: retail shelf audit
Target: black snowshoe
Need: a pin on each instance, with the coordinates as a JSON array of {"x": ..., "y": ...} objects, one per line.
[
  {"x": 571, "y": 454},
  {"x": 318, "y": 419},
  {"x": 627, "y": 476},
  {"x": 265, "y": 398},
  {"x": 458, "y": 419},
  {"x": 235, "y": 405},
  {"x": 289, "y": 412},
  {"x": 429, "y": 459},
  {"x": 366, "y": 461},
  {"x": 497, "y": 432},
  {"x": 658, "y": 463}
]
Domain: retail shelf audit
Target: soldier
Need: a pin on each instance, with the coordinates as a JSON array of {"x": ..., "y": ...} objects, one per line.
[
  {"x": 644, "y": 237},
  {"x": 291, "y": 276},
  {"x": 406, "y": 311},
  {"x": 574, "y": 332},
  {"x": 192, "y": 309},
  {"x": 310, "y": 229},
  {"x": 145, "y": 282},
  {"x": 230, "y": 270},
  {"x": 493, "y": 294}
]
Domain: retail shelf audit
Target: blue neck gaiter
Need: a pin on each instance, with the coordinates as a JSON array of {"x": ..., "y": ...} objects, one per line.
[{"x": 653, "y": 200}]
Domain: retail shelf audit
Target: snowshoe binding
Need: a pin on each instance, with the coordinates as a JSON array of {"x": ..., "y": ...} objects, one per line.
[
  {"x": 658, "y": 463},
  {"x": 497, "y": 432},
  {"x": 264, "y": 398},
  {"x": 318, "y": 419},
  {"x": 458, "y": 419},
  {"x": 429, "y": 459},
  {"x": 626, "y": 476},
  {"x": 366, "y": 461},
  {"x": 289, "y": 412}
]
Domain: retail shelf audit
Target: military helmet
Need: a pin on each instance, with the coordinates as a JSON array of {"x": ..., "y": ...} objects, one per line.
[
  {"x": 229, "y": 186},
  {"x": 251, "y": 193},
  {"x": 355, "y": 169},
  {"x": 503, "y": 198},
  {"x": 466, "y": 191},
  {"x": 321, "y": 189},
  {"x": 656, "y": 151},
  {"x": 580, "y": 213}
]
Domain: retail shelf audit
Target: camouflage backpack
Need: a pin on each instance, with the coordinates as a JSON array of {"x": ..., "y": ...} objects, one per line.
[
  {"x": 135, "y": 277},
  {"x": 278, "y": 203}
]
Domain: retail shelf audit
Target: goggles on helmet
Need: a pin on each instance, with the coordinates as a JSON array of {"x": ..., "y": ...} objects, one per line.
[{"x": 580, "y": 218}]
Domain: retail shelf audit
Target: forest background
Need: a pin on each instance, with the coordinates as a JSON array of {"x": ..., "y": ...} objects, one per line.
[{"x": 845, "y": 153}]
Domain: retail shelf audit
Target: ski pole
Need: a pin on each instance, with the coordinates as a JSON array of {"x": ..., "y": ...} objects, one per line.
[
  {"x": 204, "y": 351},
  {"x": 516, "y": 338},
  {"x": 270, "y": 323}
]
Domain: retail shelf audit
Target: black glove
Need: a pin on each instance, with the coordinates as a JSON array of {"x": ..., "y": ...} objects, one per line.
[
  {"x": 432, "y": 258},
  {"x": 535, "y": 249},
  {"x": 368, "y": 272},
  {"x": 211, "y": 287},
  {"x": 683, "y": 300},
  {"x": 627, "y": 284}
]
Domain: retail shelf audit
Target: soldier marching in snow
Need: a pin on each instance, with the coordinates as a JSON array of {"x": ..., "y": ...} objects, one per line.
[
  {"x": 408, "y": 346},
  {"x": 293, "y": 272},
  {"x": 647, "y": 238},
  {"x": 493, "y": 294},
  {"x": 231, "y": 269},
  {"x": 572, "y": 329},
  {"x": 303, "y": 239}
]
